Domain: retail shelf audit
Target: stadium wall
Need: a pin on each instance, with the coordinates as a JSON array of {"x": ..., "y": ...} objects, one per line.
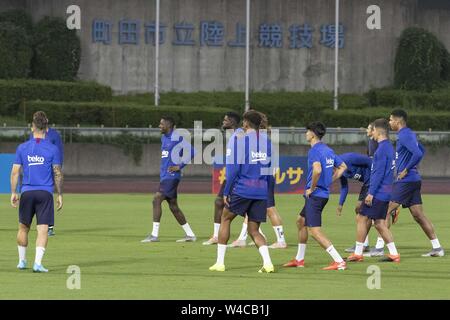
[
  {"x": 104, "y": 160},
  {"x": 366, "y": 60}
]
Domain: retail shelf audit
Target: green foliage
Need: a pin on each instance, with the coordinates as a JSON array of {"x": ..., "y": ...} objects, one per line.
[
  {"x": 133, "y": 115},
  {"x": 417, "y": 120},
  {"x": 121, "y": 114},
  {"x": 19, "y": 18},
  {"x": 57, "y": 51},
  {"x": 12, "y": 92},
  {"x": 435, "y": 100},
  {"x": 418, "y": 62},
  {"x": 445, "y": 63},
  {"x": 292, "y": 104},
  {"x": 15, "y": 51}
]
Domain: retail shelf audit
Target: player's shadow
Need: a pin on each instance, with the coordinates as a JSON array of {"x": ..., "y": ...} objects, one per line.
[
  {"x": 9, "y": 229},
  {"x": 86, "y": 230},
  {"x": 97, "y": 263}
]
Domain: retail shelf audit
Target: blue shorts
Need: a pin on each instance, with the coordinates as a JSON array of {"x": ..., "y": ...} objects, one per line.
[
  {"x": 407, "y": 193},
  {"x": 312, "y": 211},
  {"x": 377, "y": 211},
  {"x": 168, "y": 188},
  {"x": 39, "y": 203},
  {"x": 271, "y": 194},
  {"x": 255, "y": 209}
]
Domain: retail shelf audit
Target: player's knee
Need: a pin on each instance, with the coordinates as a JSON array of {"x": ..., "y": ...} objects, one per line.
[
  {"x": 315, "y": 232},
  {"x": 418, "y": 217},
  {"x": 299, "y": 222},
  {"x": 226, "y": 217},
  {"x": 173, "y": 207},
  {"x": 157, "y": 199},
  {"x": 379, "y": 224},
  {"x": 219, "y": 203},
  {"x": 252, "y": 231}
]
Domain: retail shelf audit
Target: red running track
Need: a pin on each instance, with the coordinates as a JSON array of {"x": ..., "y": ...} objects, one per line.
[{"x": 194, "y": 185}]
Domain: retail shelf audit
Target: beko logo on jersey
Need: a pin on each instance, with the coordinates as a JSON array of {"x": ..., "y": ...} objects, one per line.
[
  {"x": 259, "y": 156},
  {"x": 35, "y": 160},
  {"x": 330, "y": 162},
  {"x": 228, "y": 152},
  {"x": 164, "y": 154}
]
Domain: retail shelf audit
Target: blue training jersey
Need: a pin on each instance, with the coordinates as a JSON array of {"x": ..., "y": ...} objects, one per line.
[
  {"x": 37, "y": 157},
  {"x": 358, "y": 168},
  {"x": 231, "y": 144},
  {"x": 408, "y": 154},
  {"x": 246, "y": 160},
  {"x": 54, "y": 137},
  {"x": 322, "y": 153},
  {"x": 173, "y": 153},
  {"x": 382, "y": 173}
]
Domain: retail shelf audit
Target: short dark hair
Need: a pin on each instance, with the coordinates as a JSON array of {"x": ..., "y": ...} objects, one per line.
[
  {"x": 40, "y": 120},
  {"x": 170, "y": 120},
  {"x": 233, "y": 116},
  {"x": 254, "y": 118},
  {"x": 399, "y": 113},
  {"x": 318, "y": 128},
  {"x": 264, "y": 121},
  {"x": 382, "y": 124}
]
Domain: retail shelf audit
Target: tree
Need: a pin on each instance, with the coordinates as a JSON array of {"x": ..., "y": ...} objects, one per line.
[
  {"x": 418, "y": 63},
  {"x": 57, "y": 51},
  {"x": 15, "y": 51}
]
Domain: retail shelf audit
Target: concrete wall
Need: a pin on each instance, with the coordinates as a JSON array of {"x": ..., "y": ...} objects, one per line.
[
  {"x": 12, "y": 4},
  {"x": 103, "y": 160},
  {"x": 366, "y": 61}
]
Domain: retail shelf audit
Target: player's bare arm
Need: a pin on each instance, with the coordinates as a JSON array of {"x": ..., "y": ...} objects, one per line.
[
  {"x": 58, "y": 179},
  {"x": 339, "y": 171},
  {"x": 15, "y": 172},
  {"x": 317, "y": 171}
]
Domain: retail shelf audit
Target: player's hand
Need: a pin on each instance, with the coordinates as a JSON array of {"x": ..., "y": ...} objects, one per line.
[
  {"x": 174, "y": 169},
  {"x": 308, "y": 192},
  {"x": 339, "y": 211},
  {"x": 225, "y": 200},
  {"x": 14, "y": 199},
  {"x": 59, "y": 202},
  {"x": 369, "y": 200},
  {"x": 402, "y": 174}
]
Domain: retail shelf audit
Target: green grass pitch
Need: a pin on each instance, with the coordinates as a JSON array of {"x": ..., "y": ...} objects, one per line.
[{"x": 101, "y": 234}]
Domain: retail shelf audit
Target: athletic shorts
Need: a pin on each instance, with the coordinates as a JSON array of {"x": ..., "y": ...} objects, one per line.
[
  {"x": 222, "y": 189},
  {"x": 255, "y": 209},
  {"x": 39, "y": 203},
  {"x": 377, "y": 211},
  {"x": 407, "y": 193},
  {"x": 168, "y": 188},
  {"x": 363, "y": 193},
  {"x": 312, "y": 211},
  {"x": 271, "y": 193}
]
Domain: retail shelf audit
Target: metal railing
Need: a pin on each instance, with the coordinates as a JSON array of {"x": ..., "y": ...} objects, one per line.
[{"x": 287, "y": 135}]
